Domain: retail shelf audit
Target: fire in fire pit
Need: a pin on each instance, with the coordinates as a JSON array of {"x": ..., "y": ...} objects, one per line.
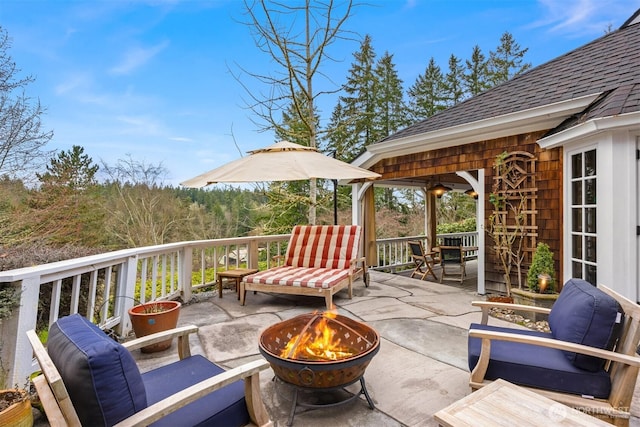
[
  {"x": 318, "y": 341},
  {"x": 319, "y": 350}
]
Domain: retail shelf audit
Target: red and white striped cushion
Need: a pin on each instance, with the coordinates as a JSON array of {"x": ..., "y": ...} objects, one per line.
[
  {"x": 323, "y": 246},
  {"x": 323, "y": 278}
]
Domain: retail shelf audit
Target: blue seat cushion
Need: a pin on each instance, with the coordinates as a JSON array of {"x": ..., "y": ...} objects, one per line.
[
  {"x": 536, "y": 366},
  {"x": 584, "y": 314},
  {"x": 224, "y": 407},
  {"x": 100, "y": 375}
]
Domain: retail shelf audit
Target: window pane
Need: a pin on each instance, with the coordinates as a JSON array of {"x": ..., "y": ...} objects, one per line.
[
  {"x": 590, "y": 163},
  {"x": 576, "y": 193},
  {"x": 590, "y": 248},
  {"x": 590, "y": 220},
  {"x": 576, "y": 247},
  {"x": 576, "y": 270},
  {"x": 590, "y": 190},
  {"x": 576, "y": 166},
  {"x": 591, "y": 274},
  {"x": 576, "y": 219}
]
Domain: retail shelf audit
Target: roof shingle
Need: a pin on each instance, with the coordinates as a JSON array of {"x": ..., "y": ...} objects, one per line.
[{"x": 609, "y": 64}]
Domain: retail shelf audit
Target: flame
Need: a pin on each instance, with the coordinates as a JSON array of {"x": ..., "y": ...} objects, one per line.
[{"x": 317, "y": 342}]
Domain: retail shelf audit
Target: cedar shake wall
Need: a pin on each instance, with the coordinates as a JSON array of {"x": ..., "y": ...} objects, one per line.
[{"x": 481, "y": 155}]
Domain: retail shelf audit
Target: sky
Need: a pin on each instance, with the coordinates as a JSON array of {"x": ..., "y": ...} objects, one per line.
[{"x": 156, "y": 81}]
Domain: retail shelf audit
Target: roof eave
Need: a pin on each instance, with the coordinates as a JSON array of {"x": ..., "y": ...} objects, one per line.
[
  {"x": 534, "y": 119},
  {"x": 590, "y": 128}
]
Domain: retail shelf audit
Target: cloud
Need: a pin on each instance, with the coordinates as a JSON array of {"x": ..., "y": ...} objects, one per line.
[
  {"x": 136, "y": 57},
  {"x": 580, "y": 17},
  {"x": 180, "y": 139},
  {"x": 72, "y": 83},
  {"x": 141, "y": 125}
]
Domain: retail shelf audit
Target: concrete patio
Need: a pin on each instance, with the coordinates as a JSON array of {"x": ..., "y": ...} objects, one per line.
[{"x": 421, "y": 366}]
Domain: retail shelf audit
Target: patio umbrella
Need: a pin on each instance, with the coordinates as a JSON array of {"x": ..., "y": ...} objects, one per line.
[{"x": 282, "y": 161}]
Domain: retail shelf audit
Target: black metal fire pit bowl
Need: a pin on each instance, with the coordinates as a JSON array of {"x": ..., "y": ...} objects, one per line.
[{"x": 362, "y": 339}]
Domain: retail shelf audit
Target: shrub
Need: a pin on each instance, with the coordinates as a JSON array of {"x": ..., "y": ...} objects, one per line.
[{"x": 542, "y": 263}]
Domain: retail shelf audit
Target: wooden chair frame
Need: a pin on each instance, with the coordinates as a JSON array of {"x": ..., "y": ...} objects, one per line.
[
  {"x": 61, "y": 413},
  {"x": 443, "y": 262},
  {"x": 623, "y": 364},
  {"x": 423, "y": 261}
]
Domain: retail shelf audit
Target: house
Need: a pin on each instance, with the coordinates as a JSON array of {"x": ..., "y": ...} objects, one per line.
[{"x": 572, "y": 126}]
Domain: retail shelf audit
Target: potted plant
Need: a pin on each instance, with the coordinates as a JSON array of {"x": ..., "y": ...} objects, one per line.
[
  {"x": 15, "y": 403},
  {"x": 541, "y": 275},
  {"x": 541, "y": 288},
  {"x": 15, "y": 408},
  {"x": 152, "y": 317}
]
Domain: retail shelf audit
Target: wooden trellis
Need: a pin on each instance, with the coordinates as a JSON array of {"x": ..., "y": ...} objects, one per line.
[{"x": 514, "y": 185}]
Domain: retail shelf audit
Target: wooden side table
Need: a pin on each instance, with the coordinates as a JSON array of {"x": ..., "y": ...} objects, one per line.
[
  {"x": 504, "y": 404},
  {"x": 237, "y": 274}
]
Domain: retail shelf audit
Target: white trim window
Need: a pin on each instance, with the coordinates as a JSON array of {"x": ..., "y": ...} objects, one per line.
[{"x": 582, "y": 216}]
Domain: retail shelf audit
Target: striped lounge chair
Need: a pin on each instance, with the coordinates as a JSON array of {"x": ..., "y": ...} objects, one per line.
[{"x": 320, "y": 261}]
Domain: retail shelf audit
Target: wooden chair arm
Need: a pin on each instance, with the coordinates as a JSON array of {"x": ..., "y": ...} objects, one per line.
[
  {"x": 55, "y": 417},
  {"x": 355, "y": 261},
  {"x": 249, "y": 372},
  {"x": 487, "y": 305},
  {"x": 355, "y": 269},
  {"x": 53, "y": 386},
  {"x": 487, "y": 336},
  {"x": 182, "y": 333}
]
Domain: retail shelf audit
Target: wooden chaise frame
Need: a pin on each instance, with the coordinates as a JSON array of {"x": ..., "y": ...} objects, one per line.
[
  {"x": 357, "y": 268},
  {"x": 355, "y": 272}
]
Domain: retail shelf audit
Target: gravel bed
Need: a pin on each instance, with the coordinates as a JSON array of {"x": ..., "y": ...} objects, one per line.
[{"x": 511, "y": 316}]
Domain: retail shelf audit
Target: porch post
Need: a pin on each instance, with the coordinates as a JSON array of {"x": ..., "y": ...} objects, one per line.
[
  {"x": 370, "y": 250},
  {"x": 480, "y": 216},
  {"x": 430, "y": 212}
]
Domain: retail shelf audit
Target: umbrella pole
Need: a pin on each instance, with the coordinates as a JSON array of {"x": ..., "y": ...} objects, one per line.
[{"x": 335, "y": 202}]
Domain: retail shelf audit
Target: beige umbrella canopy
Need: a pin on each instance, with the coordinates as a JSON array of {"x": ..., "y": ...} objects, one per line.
[{"x": 282, "y": 161}]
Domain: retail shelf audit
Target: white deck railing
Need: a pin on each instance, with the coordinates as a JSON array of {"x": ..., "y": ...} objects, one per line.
[
  {"x": 394, "y": 253},
  {"x": 103, "y": 287}
]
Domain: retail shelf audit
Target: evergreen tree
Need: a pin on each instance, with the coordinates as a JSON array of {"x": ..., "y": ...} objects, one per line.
[
  {"x": 507, "y": 61},
  {"x": 359, "y": 103},
  {"x": 476, "y": 76},
  {"x": 428, "y": 95},
  {"x": 72, "y": 169},
  {"x": 453, "y": 82},
  {"x": 337, "y": 136},
  {"x": 66, "y": 209},
  {"x": 391, "y": 110}
]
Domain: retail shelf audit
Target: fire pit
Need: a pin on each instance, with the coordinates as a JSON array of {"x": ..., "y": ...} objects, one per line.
[{"x": 320, "y": 351}]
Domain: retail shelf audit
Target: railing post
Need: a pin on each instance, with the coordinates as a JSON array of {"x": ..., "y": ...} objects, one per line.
[
  {"x": 127, "y": 288},
  {"x": 16, "y": 349},
  {"x": 185, "y": 265},
  {"x": 253, "y": 254}
]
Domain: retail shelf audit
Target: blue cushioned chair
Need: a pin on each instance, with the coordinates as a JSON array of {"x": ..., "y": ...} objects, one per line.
[
  {"x": 91, "y": 380},
  {"x": 587, "y": 361}
]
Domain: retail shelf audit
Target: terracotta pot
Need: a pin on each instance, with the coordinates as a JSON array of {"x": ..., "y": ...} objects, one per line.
[
  {"x": 18, "y": 414},
  {"x": 153, "y": 317}
]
